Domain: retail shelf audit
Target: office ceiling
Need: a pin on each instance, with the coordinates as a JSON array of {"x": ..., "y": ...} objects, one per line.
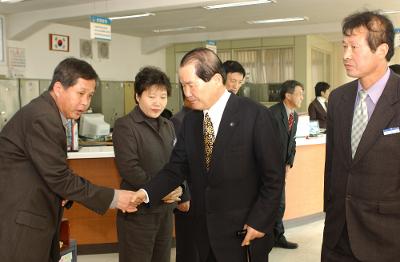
[{"x": 329, "y": 12}]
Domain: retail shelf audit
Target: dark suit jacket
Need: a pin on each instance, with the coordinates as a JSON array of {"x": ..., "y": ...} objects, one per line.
[
  {"x": 317, "y": 112},
  {"x": 243, "y": 185},
  {"x": 34, "y": 178},
  {"x": 288, "y": 137},
  {"x": 364, "y": 192},
  {"x": 177, "y": 120}
]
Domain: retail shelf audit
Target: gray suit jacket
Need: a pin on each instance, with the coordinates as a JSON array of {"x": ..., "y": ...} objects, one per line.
[
  {"x": 364, "y": 192},
  {"x": 243, "y": 185},
  {"x": 34, "y": 178}
]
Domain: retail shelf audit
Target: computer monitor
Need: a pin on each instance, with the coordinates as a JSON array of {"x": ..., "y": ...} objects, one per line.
[
  {"x": 93, "y": 126},
  {"x": 314, "y": 128}
]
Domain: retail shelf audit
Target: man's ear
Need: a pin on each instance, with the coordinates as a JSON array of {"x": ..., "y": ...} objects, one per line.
[
  {"x": 57, "y": 88},
  {"x": 382, "y": 50},
  {"x": 217, "y": 78}
]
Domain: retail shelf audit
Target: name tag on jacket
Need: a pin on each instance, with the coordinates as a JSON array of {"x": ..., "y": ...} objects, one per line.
[{"x": 391, "y": 130}]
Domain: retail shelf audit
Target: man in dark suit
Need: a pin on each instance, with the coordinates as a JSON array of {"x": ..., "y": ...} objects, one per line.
[
  {"x": 185, "y": 245},
  {"x": 317, "y": 108},
  {"x": 291, "y": 95},
  {"x": 362, "y": 170},
  {"x": 235, "y": 75},
  {"x": 34, "y": 175},
  {"x": 234, "y": 172}
]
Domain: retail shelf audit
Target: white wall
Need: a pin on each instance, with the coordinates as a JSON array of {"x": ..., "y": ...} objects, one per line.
[{"x": 125, "y": 58}]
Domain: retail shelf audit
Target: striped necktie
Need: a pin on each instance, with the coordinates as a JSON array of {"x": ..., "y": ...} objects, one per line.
[
  {"x": 360, "y": 121},
  {"x": 290, "y": 121}
]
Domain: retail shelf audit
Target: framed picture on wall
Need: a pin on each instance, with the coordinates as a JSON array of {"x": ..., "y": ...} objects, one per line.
[{"x": 59, "y": 42}]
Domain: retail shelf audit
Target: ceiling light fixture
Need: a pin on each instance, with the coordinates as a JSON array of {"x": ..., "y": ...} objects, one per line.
[
  {"x": 278, "y": 20},
  {"x": 186, "y": 28},
  {"x": 11, "y": 1},
  {"x": 389, "y": 12},
  {"x": 237, "y": 4},
  {"x": 131, "y": 16}
]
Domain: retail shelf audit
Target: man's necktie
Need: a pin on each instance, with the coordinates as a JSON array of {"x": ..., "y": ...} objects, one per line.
[
  {"x": 208, "y": 132},
  {"x": 290, "y": 122},
  {"x": 360, "y": 120}
]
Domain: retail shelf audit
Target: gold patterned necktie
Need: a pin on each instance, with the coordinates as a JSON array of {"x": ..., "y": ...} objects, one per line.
[{"x": 208, "y": 132}]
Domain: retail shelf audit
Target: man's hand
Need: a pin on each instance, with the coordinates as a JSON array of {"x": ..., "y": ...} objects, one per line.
[
  {"x": 139, "y": 197},
  {"x": 250, "y": 235},
  {"x": 184, "y": 206},
  {"x": 124, "y": 202},
  {"x": 173, "y": 196}
]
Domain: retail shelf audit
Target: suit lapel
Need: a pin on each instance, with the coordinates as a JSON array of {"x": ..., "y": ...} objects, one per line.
[
  {"x": 284, "y": 118},
  {"x": 229, "y": 122},
  {"x": 380, "y": 118},
  {"x": 199, "y": 137},
  {"x": 345, "y": 118}
]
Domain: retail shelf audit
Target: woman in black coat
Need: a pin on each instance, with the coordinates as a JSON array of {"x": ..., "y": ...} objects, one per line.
[{"x": 143, "y": 141}]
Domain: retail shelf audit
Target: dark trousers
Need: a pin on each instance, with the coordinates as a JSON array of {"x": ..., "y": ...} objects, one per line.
[
  {"x": 341, "y": 252},
  {"x": 145, "y": 237},
  {"x": 279, "y": 230},
  {"x": 185, "y": 243}
]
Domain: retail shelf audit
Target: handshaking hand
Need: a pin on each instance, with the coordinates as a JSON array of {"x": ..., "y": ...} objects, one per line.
[
  {"x": 138, "y": 197},
  {"x": 173, "y": 196},
  {"x": 124, "y": 202}
]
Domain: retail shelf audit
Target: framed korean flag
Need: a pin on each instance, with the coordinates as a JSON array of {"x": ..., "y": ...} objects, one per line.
[{"x": 59, "y": 42}]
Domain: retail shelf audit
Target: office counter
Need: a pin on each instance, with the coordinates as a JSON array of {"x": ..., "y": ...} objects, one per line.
[
  {"x": 94, "y": 233},
  {"x": 305, "y": 181},
  {"x": 97, "y": 234}
]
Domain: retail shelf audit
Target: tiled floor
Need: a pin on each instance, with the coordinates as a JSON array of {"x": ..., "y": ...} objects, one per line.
[{"x": 308, "y": 236}]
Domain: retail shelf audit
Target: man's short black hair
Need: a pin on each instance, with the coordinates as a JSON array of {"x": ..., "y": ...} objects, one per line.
[
  {"x": 321, "y": 87},
  {"x": 231, "y": 66},
  {"x": 70, "y": 70},
  {"x": 288, "y": 87},
  {"x": 149, "y": 76},
  {"x": 380, "y": 29}
]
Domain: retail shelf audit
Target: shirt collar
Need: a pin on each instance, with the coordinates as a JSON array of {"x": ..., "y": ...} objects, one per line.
[
  {"x": 215, "y": 112},
  {"x": 321, "y": 99},
  {"x": 64, "y": 120},
  {"x": 376, "y": 90}
]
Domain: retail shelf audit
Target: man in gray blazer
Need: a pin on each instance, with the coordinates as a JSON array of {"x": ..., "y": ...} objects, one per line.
[
  {"x": 362, "y": 170},
  {"x": 227, "y": 150},
  {"x": 34, "y": 175}
]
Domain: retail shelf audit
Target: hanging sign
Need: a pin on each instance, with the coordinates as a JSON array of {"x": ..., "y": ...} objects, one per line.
[{"x": 100, "y": 28}]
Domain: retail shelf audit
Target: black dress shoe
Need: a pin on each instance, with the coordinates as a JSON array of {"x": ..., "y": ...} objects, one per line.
[{"x": 283, "y": 243}]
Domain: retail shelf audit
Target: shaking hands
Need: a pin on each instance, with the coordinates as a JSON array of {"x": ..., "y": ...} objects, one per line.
[{"x": 129, "y": 200}]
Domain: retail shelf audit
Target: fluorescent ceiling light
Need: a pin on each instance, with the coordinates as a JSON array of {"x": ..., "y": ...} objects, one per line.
[
  {"x": 186, "y": 28},
  {"x": 389, "y": 12},
  {"x": 278, "y": 20},
  {"x": 131, "y": 16},
  {"x": 11, "y": 1},
  {"x": 237, "y": 4}
]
